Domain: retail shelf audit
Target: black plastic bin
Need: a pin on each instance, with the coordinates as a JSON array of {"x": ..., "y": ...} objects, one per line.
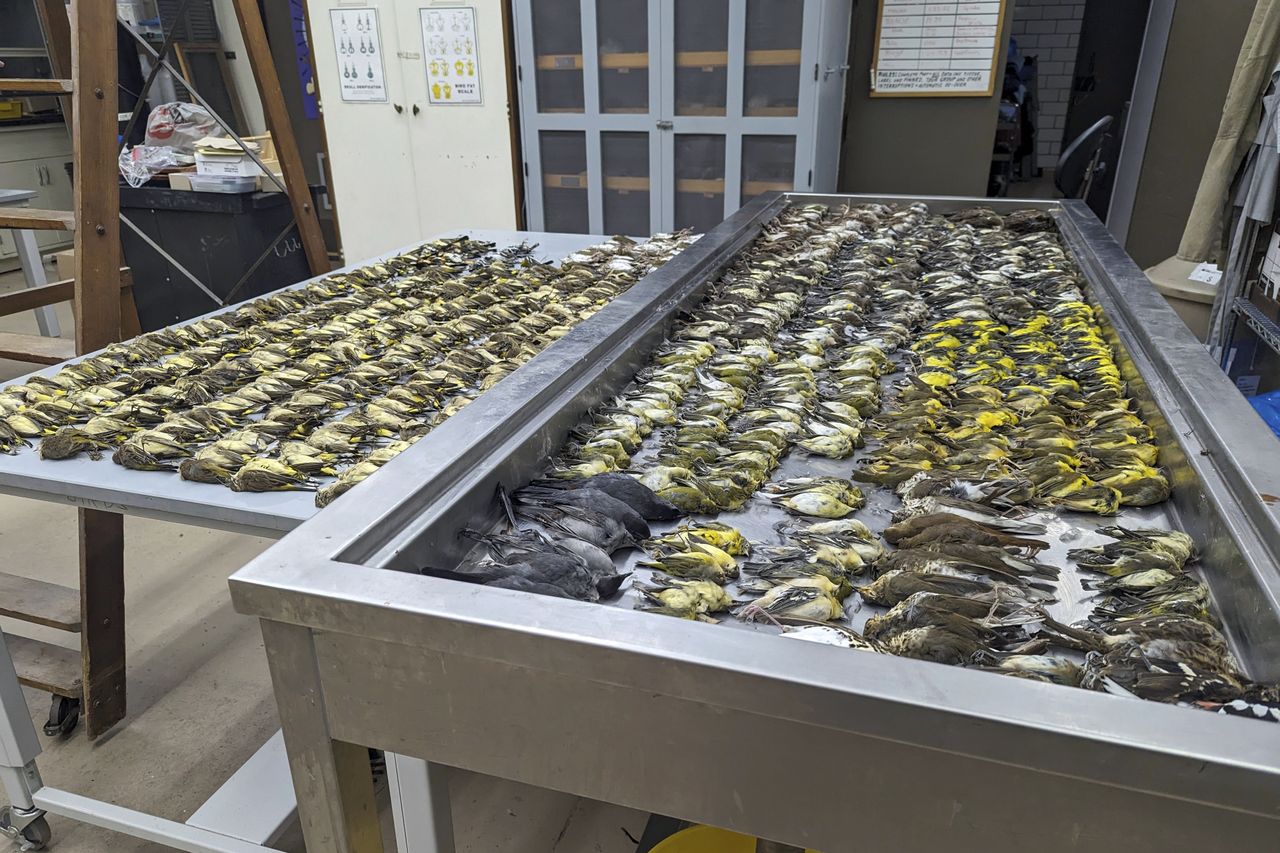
[{"x": 217, "y": 237}]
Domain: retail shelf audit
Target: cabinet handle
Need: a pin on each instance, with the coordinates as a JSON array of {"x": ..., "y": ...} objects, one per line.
[
  {"x": 399, "y": 108},
  {"x": 664, "y": 124},
  {"x": 416, "y": 110},
  {"x": 834, "y": 69}
]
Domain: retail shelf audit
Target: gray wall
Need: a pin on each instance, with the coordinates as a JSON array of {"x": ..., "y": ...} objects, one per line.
[
  {"x": 1204, "y": 43},
  {"x": 922, "y": 146}
]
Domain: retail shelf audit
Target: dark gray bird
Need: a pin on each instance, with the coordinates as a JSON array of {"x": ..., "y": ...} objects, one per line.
[
  {"x": 604, "y": 532},
  {"x": 592, "y": 499},
  {"x": 518, "y": 542},
  {"x": 539, "y": 573},
  {"x": 625, "y": 488}
]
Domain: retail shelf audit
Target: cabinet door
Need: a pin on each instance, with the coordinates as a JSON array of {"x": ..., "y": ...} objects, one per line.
[
  {"x": 56, "y": 193},
  {"x": 374, "y": 184},
  {"x": 589, "y": 98},
  {"x": 737, "y": 89},
  {"x": 828, "y": 112},
  {"x": 462, "y": 151}
]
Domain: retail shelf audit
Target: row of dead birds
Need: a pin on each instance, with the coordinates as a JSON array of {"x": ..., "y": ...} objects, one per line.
[
  {"x": 1026, "y": 393},
  {"x": 785, "y": 353},
  {"x": 265, "y": 401}
]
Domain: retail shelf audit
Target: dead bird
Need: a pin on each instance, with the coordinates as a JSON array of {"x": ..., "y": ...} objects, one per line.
[
  {"x": 938, "y": 561},
  {"x": 948, "y": 528},
  {"x": 197, "y": 470},
  {"x": 269, "y": 475},
  {"x": 591, "y": 499},
  {"x": 686, "y": 599},
  {"x": 625, "y": 488},
  {"x": 69, "y": 442},
  {"x": 1055, "y": 670},
  {"x": 544, "y": 574},
  {"x": 812, "y": 599},
  {"x": 601, "y": 530},
  {"x": 518, "y": 542},
  {"x": 132, "y": 456},
  {"x": 893, "y": 587}
]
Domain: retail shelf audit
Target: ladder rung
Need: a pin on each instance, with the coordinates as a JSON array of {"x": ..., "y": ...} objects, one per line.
[
  {"x": 45, "y": 666},
  {"x": 35, "y": 219},
  {"x": 40, "y": 602},
  {"x": 36, "y": 349},
  {"x": 34, "y": 86}
]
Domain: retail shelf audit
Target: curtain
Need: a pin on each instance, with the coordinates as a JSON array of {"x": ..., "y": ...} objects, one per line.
[{"x": 1206, "y": 234}]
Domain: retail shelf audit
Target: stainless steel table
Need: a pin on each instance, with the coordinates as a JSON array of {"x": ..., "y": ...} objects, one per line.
[
  {"x": 803, "y": 744},
  {"x": 29, "y": 258},
  {"x": 253, "y": 807}
]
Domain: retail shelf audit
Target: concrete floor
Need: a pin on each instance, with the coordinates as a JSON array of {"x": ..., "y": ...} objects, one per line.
[{"x": 200, "y": 698}]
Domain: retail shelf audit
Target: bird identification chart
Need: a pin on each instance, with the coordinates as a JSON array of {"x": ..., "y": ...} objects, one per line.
[
  {"x": 936, "y": 49},
  {"x": 452, "y": 54},
  {"x": 359, "y": 47}
]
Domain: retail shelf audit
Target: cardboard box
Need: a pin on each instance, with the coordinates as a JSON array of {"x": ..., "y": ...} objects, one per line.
[
  {"x": 231, "y": 161},
  {"x": 65, "y": 264},
  {"x": 224, "y": 166},
  {"x": 180, "y": 180}
]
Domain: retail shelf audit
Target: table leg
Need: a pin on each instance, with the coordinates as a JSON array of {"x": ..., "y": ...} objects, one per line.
[
  {"x": 331, "y": 778},
  {"x": 18, "y": 743},
  {"x": 33, "y": 270},
  {"x": 420, "y": 805}
]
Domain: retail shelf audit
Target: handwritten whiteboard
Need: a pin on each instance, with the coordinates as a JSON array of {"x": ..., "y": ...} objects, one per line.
[{"x": 937, "y": 49}]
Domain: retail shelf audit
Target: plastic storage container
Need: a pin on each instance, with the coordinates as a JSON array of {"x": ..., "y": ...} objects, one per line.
[{"x": 223, "y": 184}]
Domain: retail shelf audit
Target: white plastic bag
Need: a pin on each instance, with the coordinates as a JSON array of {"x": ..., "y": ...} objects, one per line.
[
  {"x": 141, "y": 163},
  {"x": 179, "y": 126}
]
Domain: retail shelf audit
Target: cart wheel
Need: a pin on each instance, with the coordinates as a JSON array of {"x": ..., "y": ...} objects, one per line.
[
  {"x": 34, "y": 836},
  {"x": 64, "y": 713}
]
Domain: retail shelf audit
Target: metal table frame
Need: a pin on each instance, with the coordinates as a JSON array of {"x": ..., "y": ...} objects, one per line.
[
  {"x": 805, "y": 745},
  {"x": 252, "y": 808},
  {"x": 29, "y": 258}
]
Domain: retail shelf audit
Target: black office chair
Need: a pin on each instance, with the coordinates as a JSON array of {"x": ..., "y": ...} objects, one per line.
[{"x": 1081, "y": 161}]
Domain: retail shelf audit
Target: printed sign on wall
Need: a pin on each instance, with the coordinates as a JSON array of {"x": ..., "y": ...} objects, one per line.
[
  {"x": 359, "y": 47},
  {"x": 452, "y": 54}
]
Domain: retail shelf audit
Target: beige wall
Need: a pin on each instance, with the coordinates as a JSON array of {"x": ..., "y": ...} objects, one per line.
[
  {"x": 241, "y": 71},
  {"x": 919, "y": 146},
  {"x": 1204, "y": 43}
]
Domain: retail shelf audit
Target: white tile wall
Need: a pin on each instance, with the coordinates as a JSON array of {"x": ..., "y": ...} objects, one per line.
[{"x": 1050, "y": 31}]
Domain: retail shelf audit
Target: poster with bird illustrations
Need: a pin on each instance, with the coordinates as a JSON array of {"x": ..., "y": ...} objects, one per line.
[
  {"x": 452, "y": 55},
  {"x": 358, "y": 45}
]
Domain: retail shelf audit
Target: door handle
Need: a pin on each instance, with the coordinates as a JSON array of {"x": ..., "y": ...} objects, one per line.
[
  {"x": 665, "y": 124},
  {"x": 834, "y": 69}
]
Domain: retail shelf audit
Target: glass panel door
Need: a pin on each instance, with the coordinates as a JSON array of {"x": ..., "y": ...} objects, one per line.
[
  {"x": 564, "y": 180},
  {"x": 768, "y": 164},
  {"x": 771, "y": 79},
  {"x": 557, "y": 48},
  {"x": 699, "y": 180},
  {"x": 622, "y": 39},
  {"x": 701, "y": 57},
  {"x": 626, "y": 164}
]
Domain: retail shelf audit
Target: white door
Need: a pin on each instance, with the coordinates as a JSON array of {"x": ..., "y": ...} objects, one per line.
[
  {"x": 374, "y": 181},
  {"x": 460, "y": 133},
  {"x": 832, "y": 73}
]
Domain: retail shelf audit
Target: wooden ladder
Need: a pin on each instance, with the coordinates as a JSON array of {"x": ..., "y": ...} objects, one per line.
[{"x": 81, "y": 39}]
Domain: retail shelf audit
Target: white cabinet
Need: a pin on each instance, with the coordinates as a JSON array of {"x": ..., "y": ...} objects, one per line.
[
  {"x": 34, "y": 157},
  {"x": 647, "y": 115},
  {"x": 405, "y": 169}
]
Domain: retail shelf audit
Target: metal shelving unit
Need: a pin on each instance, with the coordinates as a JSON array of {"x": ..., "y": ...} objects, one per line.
[
  {"x": 647, "y": 115},
  {"x": 794, "y": 742}
]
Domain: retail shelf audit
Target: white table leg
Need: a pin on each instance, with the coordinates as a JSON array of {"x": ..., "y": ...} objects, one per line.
[
  {"x": 33, "y": 269},
  {"x": 420, "y": 805}
]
